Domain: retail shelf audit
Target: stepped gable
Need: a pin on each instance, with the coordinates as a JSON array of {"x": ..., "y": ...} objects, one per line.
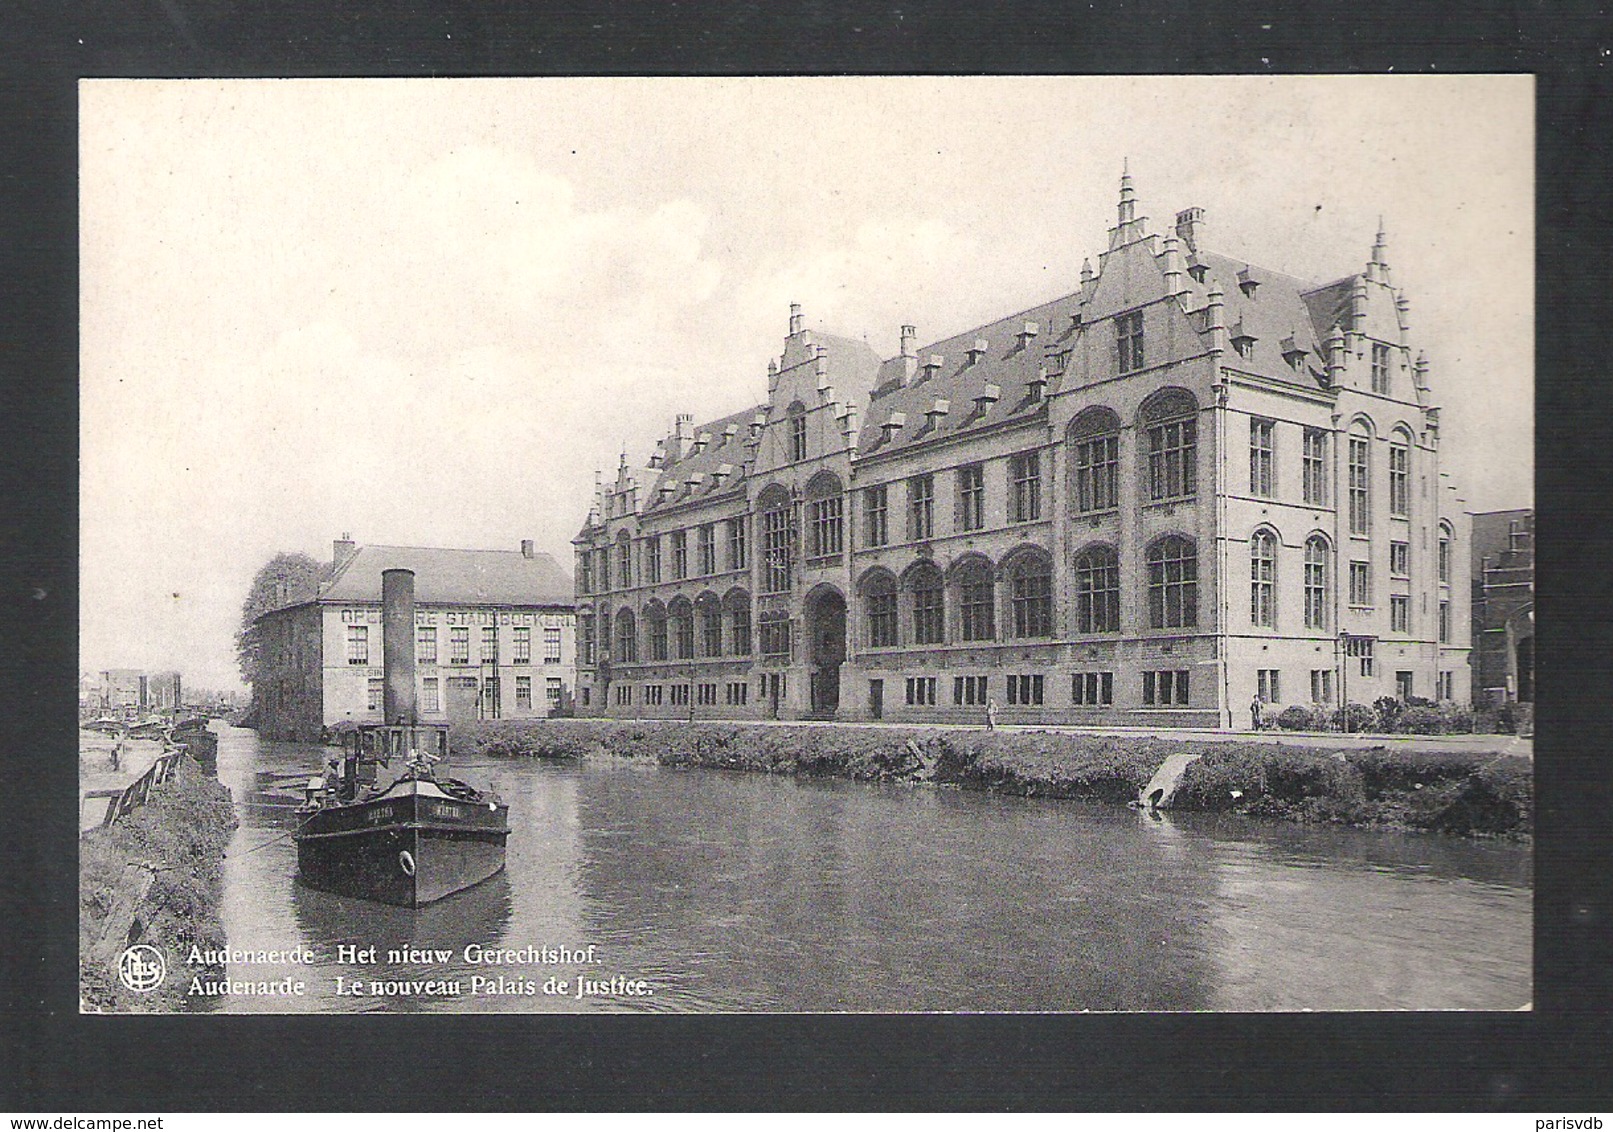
[
  {"x": 1010, "y": 362},
  {"x": 719, "y": 451},
  {"x": 455, "y": 577},
  {"x": 853, "y": 364}
]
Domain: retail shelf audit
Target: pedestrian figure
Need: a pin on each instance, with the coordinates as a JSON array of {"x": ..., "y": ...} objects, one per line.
[
  {"x": 1255, "y": 709},
  {"x": 991, "y": 714},
  {"x": 117, "y": 753}
]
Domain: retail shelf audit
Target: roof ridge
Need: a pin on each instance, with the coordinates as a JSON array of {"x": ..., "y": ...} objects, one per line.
[
  {"x": 994, "y": 321},
  {"x": 447, "y": 549}
]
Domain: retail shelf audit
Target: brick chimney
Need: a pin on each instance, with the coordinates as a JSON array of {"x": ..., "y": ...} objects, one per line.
[
  {"x": 341, "y": 550},
  {"x": 526, "y": 548},
  {"x": 1190, "y": 227}
]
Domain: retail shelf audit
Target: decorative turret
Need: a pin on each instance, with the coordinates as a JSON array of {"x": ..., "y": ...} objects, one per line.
[
  {"x": 1335, "y": 355},
  {"x": 1172, "y": 266},
  {"x": 772, "y": 376},
  {"x": 1128, "y": 196},
  {"x": 1378, "y": 268},
  {"x": 1419, "y": 369},
  {"x": 795, "y": 319},
  {"x": 1086, "y": 272},
  {"x": 1215, "y": 320},
  {"x": 1403, "y": 309}
]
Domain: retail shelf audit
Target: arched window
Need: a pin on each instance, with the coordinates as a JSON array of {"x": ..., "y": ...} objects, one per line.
[
  {"x": 929, "y": 610},
  {"x": 1400, "y": 472},
  {"x": 879, "y": 600},
  {"x": 655, "y": 618},
  {"x": 626, "y": 638},
  {"x": 1097, "y": 590},
  {"x": 1173, "y": 583},
  {"x": 977, "y": 599},
  {"x": 825, "y": 532},
  {"x": 1030, "y": 594},
  {"x": 1094, "y": 439},
  {"x": 737, "y": 604},
  {"x": 624, "y": 559},
  {"x": 1169, "y": 422},
  {"x": 774, "y": 507},
  {"x": 709, "y": 611},
  {"x": 1263, "y": 579},
  {"x": 1445, "y": 537},
  {"x": 681, "y": 614},
  {"x": 1316, "y": 556},
  {"x": 1360, "y": 473}
]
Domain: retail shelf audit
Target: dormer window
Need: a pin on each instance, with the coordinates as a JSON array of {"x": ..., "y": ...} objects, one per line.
[
  {"x": 1294, "y": 354},
  {"x": 1247, "y": 283},
  {"x": 892, "y": 426},
  {"x": 702, "y": 441},
  {"x": 1198, "y": 271},
  {"x": 728, "y": 432},
  {"x": 986, "y": 398},
  {"x": 978, "y": 350},
  {"x": 934, "y": 414},
  {"x": 1036, "y": 386},
  {"x": 1027, "y": 332},
  {"x": 931, "y": 365},
  {"x": 1242, "y": 341}
]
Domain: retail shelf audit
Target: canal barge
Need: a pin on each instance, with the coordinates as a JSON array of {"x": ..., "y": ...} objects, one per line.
[{"x": 383, "y": 822}]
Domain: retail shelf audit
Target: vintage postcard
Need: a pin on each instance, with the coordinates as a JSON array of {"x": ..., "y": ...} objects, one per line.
[{"x": 807, "y": 545}]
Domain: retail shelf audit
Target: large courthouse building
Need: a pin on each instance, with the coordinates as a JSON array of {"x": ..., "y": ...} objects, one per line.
[
  {"x": 1190, "y": 483},
  {"x": 495, "y": 638}
]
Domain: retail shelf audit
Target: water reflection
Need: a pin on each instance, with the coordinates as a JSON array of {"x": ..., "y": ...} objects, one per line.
[{"x": 728, "y": 891}]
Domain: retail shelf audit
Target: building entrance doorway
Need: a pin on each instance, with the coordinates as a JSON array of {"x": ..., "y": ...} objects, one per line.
[{"x": 826, "y": 636}]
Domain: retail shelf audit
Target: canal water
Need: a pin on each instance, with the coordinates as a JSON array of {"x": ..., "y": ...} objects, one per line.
[{"x": 716, "y": 891}]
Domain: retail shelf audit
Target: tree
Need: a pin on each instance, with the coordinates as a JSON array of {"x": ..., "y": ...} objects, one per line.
[{"x": 286, "y": 579}]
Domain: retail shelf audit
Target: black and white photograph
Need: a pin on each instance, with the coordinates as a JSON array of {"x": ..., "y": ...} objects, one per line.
[{"x": 840, "y": 545}]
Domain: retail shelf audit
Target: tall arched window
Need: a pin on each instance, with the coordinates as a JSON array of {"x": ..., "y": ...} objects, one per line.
[
  {"x": 977, "y": 600},
  {"x": 1400, "y": 472},
  {"x": 1360, "y": 473},
  {"x": 737, "y": 604},
  {"x": 1094, "y": 440},
  {"x": 1445, "y": 537},
  {"x": 1263, "y": 579},
  {"x": 825, "y": 533},
  {"x": 1173, "y": 583},
  {"x": 655, "y": 618},
  {"x": 1316, "y": 556},
  {"x": 1097, "y": 590},
  {"x": 1030, "y": 594},
  {"x": 709, "y": 610},
  {"x": 626, "y": 638},
  {"x": 774, "y": 507},
  {"x": 1169, "y": 422},
  {"x": 879, "y": 601},
  {"x": 929, "y": 611},
  {"x": 681, "y": 615}
]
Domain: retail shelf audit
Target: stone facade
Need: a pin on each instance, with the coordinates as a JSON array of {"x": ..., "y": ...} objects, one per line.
[
  {"x": 1503, "y": 569},
  {"x": 1188, "y": 484}
]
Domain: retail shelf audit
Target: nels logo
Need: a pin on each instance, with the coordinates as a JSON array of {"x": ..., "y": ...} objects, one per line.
[{"x": 142, "y": 968}]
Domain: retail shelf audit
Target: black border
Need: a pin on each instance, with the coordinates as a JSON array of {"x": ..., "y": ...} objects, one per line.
[{"x": 1560, "y": 1057}]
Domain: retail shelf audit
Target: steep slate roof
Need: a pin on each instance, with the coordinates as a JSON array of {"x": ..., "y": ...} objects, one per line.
[
  {"x": 704, "y": 463},
  {"x": 853, "y": 365},
  {"x": 455, "y": 577},
  {"x": 1329, "y": 305},
  {"x": 1005, "y": 364},
  {"x": 1277, "y": 312}
]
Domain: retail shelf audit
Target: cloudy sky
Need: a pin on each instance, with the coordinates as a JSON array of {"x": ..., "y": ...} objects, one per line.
[{"x": 425, "y": 311}]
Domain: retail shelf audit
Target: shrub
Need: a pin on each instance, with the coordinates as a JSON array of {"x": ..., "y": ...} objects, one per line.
[
  {"x": 1353, "y": 717},
  {"x": 1388, "y": 710},
  {"x": 1296, "y": 717},
  {"x": 1421, "y": 721}
]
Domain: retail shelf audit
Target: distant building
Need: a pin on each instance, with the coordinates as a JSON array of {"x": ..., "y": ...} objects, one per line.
[
  {"x": 495, "y": 638},
  {"x": 1190, "y": 483},
  {"x": 1503, "y": 569},
  {"x": 131, "y": 691}
]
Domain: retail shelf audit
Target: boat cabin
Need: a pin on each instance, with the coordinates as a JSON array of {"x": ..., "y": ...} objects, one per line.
[{"x": 370, "y": 746}]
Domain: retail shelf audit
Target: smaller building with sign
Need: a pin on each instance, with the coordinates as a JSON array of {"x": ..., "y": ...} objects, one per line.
[{"x": 495, "y": 638}]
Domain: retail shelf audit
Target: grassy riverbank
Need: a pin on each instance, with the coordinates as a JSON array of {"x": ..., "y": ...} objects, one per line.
[
  {"x": 1456, "y": 792},
  {"x": 181, "y": 832}
]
